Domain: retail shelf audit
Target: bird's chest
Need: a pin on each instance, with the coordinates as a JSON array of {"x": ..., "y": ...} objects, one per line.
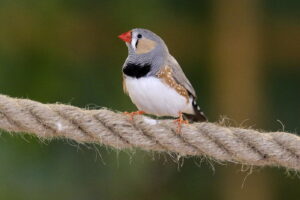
[
  {"x": 136, "y": 70},
  {"x": 153, "y": 96}
]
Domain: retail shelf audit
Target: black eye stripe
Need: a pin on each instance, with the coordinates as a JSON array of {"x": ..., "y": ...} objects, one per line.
[{"x": 139, "y": 36}]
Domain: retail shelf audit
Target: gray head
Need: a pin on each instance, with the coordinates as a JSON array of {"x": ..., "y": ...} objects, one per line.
[{"x": 145, "y": 47}]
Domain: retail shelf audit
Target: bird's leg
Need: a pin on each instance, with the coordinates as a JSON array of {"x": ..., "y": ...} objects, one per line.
[
  {"x": 180, "y": 121},
  {"x": 132, "y": 114}
]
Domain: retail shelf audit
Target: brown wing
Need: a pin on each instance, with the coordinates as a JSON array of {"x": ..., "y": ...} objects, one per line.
[
  {"x": 166, "y": 74},
  {"x": 179, "y": 75}
]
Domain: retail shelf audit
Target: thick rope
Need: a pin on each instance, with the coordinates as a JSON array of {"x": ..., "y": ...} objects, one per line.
[{"x": 106, "y": 127}]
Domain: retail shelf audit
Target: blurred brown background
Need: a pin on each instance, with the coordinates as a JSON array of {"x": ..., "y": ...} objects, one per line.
[{"x": 242, "y": 57}]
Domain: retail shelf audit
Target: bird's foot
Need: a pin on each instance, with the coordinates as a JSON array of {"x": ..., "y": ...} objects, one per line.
[
  {"x": 180, "y": 121},
  {"x": 132, "y": 114}
]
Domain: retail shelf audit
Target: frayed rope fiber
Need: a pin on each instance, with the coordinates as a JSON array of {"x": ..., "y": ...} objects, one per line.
[{"x": 238, "y": 145}]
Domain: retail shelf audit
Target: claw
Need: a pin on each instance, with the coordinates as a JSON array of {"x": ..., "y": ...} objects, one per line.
[
  {"x": 132, "y": 114},
  {"x": 180, "y": 121}
]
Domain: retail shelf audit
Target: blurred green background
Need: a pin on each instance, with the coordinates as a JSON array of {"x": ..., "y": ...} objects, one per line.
[{"x": 242, "y": 56}]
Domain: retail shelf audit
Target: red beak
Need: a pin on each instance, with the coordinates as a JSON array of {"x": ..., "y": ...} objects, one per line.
[{"x": 126, "y": 37}]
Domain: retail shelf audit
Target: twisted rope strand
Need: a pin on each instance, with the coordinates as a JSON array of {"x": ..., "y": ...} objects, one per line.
[{"x": 245, "y": 146}]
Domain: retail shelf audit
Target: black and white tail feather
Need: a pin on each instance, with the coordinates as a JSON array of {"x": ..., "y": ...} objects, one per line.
[{"x": 199, "y": 115}]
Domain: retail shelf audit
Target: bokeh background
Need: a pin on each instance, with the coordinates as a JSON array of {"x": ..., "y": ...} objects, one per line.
[{"x": 242, "y": 56}]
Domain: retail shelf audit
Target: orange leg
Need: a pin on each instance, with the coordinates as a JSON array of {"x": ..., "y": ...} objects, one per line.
[
  {"x": 132, "y": 114},
  {"x": 180, "y": 121}
]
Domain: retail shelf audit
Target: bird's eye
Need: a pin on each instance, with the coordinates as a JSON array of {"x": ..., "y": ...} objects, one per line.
[{"x": 139, "y": 36}]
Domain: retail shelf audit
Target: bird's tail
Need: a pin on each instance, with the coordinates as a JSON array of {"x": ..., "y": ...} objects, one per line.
[{"x": 199, "y": 115}]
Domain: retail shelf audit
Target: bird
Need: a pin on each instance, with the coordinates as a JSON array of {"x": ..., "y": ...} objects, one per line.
[{"x": 154, "y": 80}]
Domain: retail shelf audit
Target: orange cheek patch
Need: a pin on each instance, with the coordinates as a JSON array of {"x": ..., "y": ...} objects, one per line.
[
  {"x": 145, "y": 46},
  {"x": 166, "y": 75}
]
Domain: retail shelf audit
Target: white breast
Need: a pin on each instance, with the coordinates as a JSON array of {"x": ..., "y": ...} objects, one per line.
[{"x": 153, "y": 96}]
